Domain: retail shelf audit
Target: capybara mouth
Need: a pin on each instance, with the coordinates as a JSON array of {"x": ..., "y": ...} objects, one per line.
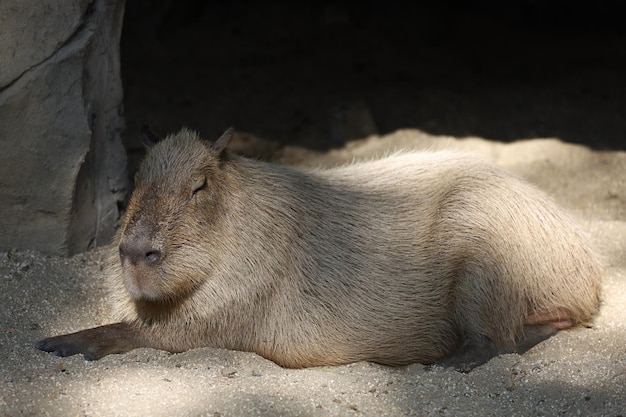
[{"x": 141, "y": 284}]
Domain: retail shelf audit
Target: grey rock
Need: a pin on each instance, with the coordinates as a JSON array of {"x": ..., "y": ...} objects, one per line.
[
  {"x": 31, "y": 31},
  {"x": 62, "y": 164}
]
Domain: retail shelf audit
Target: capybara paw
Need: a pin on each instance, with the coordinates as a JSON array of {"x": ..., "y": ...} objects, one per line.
[
  {"x": 93, "y": 343},
  {"x": 66, "y": 345},
  {"x": 534, "y": 334},
  {"x": 470, "y": 356}
]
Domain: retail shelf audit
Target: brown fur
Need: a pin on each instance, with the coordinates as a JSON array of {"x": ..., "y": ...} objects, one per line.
[{"x": 398, "y": 260}]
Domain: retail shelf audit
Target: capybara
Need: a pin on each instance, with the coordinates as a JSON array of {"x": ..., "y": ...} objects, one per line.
[{"x": 430, "y": 257}]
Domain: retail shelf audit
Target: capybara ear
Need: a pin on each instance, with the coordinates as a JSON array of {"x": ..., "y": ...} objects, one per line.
[
  {"x": 222, "y": 142},
  {"x": 148, "y": 137}
]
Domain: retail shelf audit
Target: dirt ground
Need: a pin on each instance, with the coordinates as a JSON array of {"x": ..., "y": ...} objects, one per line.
[{"x": 321, "y": 85}]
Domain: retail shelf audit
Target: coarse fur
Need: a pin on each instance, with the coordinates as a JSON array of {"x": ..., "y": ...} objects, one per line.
[{"x": 404, "y": 259}]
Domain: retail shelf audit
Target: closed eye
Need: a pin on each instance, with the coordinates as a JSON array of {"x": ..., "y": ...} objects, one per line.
[{"x": 200, "y": 185}]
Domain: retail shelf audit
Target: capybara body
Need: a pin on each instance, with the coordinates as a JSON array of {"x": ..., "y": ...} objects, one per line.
[{"x": 409, "y": 258}]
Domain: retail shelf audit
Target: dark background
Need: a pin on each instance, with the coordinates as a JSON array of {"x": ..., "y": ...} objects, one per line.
[{"x": 501, "y": 70}]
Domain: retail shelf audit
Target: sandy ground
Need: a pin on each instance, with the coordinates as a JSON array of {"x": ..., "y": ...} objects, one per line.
[{"x": 578, "y": 372}]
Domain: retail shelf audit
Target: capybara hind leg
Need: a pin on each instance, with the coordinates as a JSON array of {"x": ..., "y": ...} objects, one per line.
[
  {"x": 470, "y": 355},
  {"x": 541, "y": 325},
  {"x": 559, "y": 318},
  {"x": 534, "y": 334}
]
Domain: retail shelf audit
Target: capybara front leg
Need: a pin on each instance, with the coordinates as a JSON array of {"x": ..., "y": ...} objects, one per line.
[{"x": 94, "y": 343}]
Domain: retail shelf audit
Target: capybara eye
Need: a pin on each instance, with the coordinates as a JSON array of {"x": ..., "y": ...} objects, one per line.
[{"x": 199, "y": 184}]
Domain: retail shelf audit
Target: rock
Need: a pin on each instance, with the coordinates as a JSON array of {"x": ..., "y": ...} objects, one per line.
[{"x": 62, "y": 163}]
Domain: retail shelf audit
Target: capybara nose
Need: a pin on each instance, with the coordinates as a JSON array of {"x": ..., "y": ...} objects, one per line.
[{"x": 139, "y": 251}]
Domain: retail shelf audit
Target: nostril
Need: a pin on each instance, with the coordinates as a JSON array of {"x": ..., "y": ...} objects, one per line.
[
  {"x": 153, "y": 256},
  {"x": 139, "y": 252}
]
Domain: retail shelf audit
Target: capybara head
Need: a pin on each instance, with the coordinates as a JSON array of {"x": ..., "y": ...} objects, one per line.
[{"x": 170, "y": 213}]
